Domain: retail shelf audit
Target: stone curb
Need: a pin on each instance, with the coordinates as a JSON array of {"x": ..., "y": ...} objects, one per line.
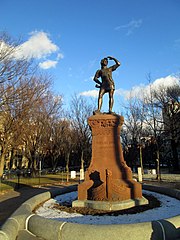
[
  {"x": 25, "y": 225},
  {"x": 166, "y": 191},
  {"x": 17, "y": 221}
]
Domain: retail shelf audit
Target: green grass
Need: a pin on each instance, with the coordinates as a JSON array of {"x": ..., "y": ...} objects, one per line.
[
  {"x": 5, "y": 187},
  {"x": 34, "y": 181}
]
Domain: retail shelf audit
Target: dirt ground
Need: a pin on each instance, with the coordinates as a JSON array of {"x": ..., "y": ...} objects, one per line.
[{"x": 153, "y": 203}]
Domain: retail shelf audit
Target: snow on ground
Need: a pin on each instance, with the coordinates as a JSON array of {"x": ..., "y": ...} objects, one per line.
[{"x": 170, "y": 207}]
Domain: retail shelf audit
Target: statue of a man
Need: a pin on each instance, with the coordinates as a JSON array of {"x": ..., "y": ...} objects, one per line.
[{"x": 106, "y": 84}]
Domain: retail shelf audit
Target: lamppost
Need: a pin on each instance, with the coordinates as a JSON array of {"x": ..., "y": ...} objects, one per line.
[
  {"x": 140, "y": 169},
  {"x": 141, "y": 145},
  {"x": 158, "y": 166},
  {"x": 140, "y": 157}
]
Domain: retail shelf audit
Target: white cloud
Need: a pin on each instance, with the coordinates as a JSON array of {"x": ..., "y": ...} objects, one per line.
[
  {"x": 158, "y": 84},
  {"x": 38, "y": 46},
  {"x": 121, "y": 92},
  {"x": 90, "y": 93},
  {"x": 168, "y": 81},
  {"x": 48, "y": 64},
  {"x": 95, "y": 93},
  {"x": 130, "y": 27},
  {"x": 139, "y": 91}
]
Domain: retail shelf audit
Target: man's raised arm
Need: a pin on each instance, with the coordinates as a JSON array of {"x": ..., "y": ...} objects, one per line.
[{"x": 116, "y": 61}]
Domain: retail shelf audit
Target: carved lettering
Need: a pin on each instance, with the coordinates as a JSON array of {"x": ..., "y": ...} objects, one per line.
[
  {"x": 104, "y": 123},
  {"x": 98, "y": 131}
]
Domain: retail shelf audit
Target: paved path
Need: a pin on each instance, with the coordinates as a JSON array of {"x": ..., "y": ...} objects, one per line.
[{"x": 12, "y": 199}]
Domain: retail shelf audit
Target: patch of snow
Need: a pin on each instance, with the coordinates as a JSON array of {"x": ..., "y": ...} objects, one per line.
[{"x": 170, "y": 207}]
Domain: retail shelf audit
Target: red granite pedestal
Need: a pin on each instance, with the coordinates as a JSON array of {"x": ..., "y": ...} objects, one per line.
[{"x": 108, "y": 178}]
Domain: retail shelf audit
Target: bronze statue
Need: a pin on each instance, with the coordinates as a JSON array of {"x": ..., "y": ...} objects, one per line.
[{"x": 106, "y": 84}]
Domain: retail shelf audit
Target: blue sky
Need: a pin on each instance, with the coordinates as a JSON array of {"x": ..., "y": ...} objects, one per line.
[{"x": 68, "y": 38}]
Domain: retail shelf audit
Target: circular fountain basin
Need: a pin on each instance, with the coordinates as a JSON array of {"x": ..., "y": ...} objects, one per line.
[{"x": 24, "y": 224}]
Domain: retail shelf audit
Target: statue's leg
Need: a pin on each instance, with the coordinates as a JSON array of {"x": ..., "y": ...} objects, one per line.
[
  {"x": 100, "y": 99},
  {"x": 111, "y": 100}
]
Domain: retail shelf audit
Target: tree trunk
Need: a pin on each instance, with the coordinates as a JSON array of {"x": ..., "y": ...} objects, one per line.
[
  {"x": 82, "y": 160},
  {"x": 175, "y": 156},
  {"x": 2, "y": 161},
  {"x": 141, "y": 160},
  {"x": 67, "y": 165},
  {"x": 158, "y": 177}
]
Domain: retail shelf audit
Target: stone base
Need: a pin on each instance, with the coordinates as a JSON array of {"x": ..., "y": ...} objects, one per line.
[
  {"x": 108, "y": 178},
  {"x": 113, "y": 190},
  {"x": 110, "y": 206}
]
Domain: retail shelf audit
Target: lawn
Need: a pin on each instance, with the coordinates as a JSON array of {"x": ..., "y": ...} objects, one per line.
[{"x": 12, "y": 183}]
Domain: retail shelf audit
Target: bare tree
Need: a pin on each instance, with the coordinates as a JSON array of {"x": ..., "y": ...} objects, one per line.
[
  {"x": 153, "y": 118},
  {"x": 156, "y": 103},
  {"x": 13, "y": 70},
  {"x": 167, "y": 99},
  {"x": 56, "y": 141},
  {"x": 154, "y": 123},
  {"x": 79, "y": 112},
  {"x": 133, "y": 131},
  {"x": 37, "y": 133},
  {"x": 68, "y": 136},
  {"x": 27, "y": 106},
  {"x": 14, "y": 75}
]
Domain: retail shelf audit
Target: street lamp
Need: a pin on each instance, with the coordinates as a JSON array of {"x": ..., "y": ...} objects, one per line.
[
  {"x": 140, "y": 157},
  {"x": 141, "y": 145}
]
